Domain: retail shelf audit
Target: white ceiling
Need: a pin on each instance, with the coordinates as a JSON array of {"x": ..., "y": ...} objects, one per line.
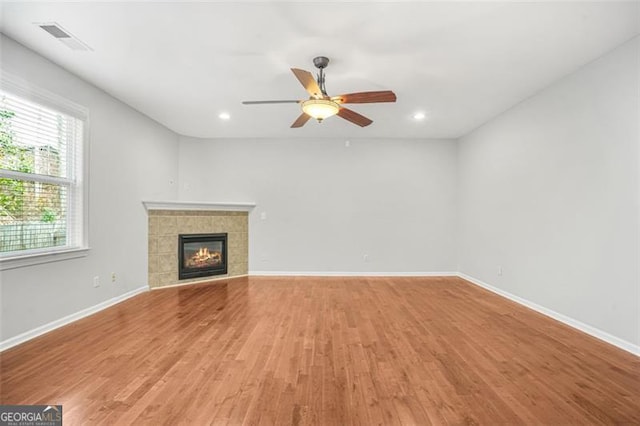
[{"x": 462, "y": 63}]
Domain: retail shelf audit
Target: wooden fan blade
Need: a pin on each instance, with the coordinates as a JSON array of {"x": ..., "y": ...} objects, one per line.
[
  {"x": 308, "y": 82},
  {"x": 269, "y": 102},
  {"x": 354, "y": 117},
  {"x": 366, "y": 97},
  {"x": 301, "y": 121}
]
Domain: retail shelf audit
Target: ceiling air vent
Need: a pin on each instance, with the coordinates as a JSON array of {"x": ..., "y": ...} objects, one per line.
[{"x": 64, "y": 36}]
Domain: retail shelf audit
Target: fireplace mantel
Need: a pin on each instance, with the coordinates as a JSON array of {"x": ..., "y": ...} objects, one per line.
[{"x": 198, "y": 206}]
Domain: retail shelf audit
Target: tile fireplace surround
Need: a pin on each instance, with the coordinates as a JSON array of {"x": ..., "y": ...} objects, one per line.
[{"x": 169, "y": 219}]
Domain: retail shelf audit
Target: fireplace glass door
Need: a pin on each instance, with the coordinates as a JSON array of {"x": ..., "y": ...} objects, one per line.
[{"x": 202, "y": 255}]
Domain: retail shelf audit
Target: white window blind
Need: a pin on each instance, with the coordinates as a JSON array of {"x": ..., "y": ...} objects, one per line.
[{"x": 41, "y": 177}]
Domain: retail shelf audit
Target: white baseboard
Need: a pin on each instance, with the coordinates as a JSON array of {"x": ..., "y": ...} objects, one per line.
[
  {"x": 349, "y": 274},
  {"x": 592, "y": 331},
  {"x": 31, "y": 334}
]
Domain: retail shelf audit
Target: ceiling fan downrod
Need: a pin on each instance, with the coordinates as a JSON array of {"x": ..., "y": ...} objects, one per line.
[{"x": 321, "y": 62}]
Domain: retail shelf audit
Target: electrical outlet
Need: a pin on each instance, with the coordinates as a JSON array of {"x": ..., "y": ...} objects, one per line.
[
  {"x": 263, "y": 215},
  {"x": 365, "y": 258},
  {"x": 96, "y": 281},
  {"x": 113, "y": 277},
  {"x": 499, "y": 270}
]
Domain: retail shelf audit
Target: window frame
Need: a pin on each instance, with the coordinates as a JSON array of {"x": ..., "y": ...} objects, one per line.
[{"x": 18, "y": 86}]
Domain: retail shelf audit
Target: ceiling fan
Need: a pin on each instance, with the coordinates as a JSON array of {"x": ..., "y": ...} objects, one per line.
[{"x": 320, "y": 105}]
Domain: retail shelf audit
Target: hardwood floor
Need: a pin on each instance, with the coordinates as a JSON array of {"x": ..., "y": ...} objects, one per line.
[{"x": 324, "y": 351}]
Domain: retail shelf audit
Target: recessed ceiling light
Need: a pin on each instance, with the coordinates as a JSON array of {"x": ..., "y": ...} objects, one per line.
[
  {"x": 224, "y": 116},
  {"x": 419, "y": 116}
]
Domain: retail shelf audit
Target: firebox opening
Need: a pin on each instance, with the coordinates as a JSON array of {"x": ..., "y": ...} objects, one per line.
[{"x": 202, "y": 255}]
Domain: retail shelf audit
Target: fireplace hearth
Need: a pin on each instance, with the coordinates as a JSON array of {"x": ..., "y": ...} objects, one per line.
[{"x": 201, "y": 255}]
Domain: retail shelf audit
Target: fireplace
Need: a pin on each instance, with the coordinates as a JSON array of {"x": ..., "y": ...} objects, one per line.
[{"x": 201, "y": 255}]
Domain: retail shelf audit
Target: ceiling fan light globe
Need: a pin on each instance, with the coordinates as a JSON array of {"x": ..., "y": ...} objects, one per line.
[{"x": 320, "y": 108}]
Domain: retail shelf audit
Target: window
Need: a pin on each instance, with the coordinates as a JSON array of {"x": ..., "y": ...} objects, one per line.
[{"x": 42, "y": 179}]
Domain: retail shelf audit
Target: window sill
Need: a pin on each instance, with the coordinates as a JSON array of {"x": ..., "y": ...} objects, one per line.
[{"x": 40, "y": 258}]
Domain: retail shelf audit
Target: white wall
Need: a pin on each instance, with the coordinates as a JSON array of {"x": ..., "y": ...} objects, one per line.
[
  {"x": 328, "y": 205},
  {"x": 549, "y": 191},
  {"x": 131, "y": 158}
]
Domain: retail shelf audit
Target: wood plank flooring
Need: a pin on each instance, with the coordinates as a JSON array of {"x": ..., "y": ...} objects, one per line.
[{"x": 323, "y": 351}]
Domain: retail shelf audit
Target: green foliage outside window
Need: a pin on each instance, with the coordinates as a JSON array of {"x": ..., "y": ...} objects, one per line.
[
  {"x": 15, "y": 158},
  {"x": 17, "y": 197}
]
